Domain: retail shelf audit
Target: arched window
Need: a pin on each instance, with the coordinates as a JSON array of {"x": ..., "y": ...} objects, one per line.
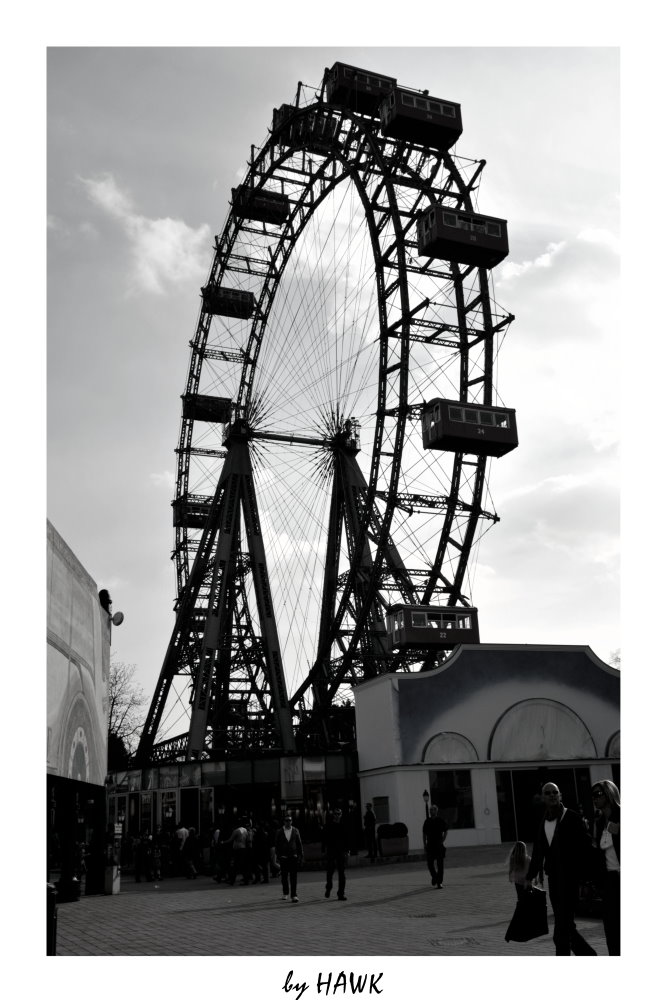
[
  {"x": 449, "y": 748},
  {"x": 539, "y": 729},
  {"x": 613, "y": 746}
]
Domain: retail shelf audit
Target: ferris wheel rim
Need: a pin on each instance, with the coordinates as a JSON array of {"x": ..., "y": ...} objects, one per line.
[{"x": 243, "y": 401}]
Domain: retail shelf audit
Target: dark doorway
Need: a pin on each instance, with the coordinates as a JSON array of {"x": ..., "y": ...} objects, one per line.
[
  {"x": 189, "y": 807},
  {"x": 75, "y": 836},
  {"x": 519, "y": 799}
]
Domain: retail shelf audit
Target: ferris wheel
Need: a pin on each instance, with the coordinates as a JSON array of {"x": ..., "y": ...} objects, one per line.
[{"x": 338, "y": 421}]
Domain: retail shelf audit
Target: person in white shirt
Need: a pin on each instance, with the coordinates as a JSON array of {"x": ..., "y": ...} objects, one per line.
[
  {"x": 562, "y": 849},
  {"x": 181, "y": 834},
  {"x": 606, "y": 837},
  {"x": 239, "y": 865}
]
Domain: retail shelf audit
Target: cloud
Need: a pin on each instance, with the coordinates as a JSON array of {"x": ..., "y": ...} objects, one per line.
[
  {"x": 106, "y": 194},
  {"x": 545, "y": 260},
  {"x": 565, "y": 483},
  {"x": 594, "y": 252},
  {"x": 161, "y": 479},
  {"x": 566, "y": 293},
  {"x": 164, "y": 251},
  {"x": 602, "y": 237},
  {"x": 574, "y": 518}
]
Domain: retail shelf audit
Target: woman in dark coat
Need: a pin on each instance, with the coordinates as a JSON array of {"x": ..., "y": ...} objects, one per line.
[{"x": 606, "y": 838}]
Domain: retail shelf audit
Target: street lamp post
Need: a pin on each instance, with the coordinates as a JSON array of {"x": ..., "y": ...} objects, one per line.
[
  {"x": 114, "y": 859},
  {"x": 425, "y": 796}
]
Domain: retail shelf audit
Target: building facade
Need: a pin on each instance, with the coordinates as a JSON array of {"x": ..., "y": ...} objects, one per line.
[
  {"x": 482, "y": 732},
  {"x": 212, "y": 794},
  {"x": 78, "y": 643}
]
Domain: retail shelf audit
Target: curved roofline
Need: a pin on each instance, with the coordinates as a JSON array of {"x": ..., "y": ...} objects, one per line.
[{"x": 494, "y": 646}]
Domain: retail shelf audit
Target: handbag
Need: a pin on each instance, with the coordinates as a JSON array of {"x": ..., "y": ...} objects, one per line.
[{"x": 530, "y": 918}]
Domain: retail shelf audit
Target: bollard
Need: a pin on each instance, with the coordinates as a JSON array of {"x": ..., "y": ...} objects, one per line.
[{"x": 51, "y": 919}]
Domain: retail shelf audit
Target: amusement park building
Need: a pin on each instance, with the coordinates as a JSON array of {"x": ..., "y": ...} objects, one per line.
[
  {"x": 482, "y": 732},
  {"x": 78, "y": 642}
]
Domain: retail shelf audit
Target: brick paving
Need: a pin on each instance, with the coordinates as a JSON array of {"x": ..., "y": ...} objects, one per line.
[{"x": 391, "y": 910}]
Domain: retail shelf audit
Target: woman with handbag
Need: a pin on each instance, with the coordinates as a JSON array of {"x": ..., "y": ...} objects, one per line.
[
  {"x": 518, "y": 861},
  {"x": 530, "y": 917},
  {"x": 606, "y": 837}
]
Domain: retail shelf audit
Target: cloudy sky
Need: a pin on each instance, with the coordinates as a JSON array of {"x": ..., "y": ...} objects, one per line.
[{"x": 143, "y": 148}]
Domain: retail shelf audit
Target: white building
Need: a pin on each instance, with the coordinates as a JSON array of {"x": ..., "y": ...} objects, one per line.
[
  {"x": 78, "y": 652},
  {"x": 78, "y": 637},
  {"x": 482, "y": 732}
]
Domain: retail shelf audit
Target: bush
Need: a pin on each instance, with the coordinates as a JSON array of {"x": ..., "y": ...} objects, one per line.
[{"x": 399, "y": 830}]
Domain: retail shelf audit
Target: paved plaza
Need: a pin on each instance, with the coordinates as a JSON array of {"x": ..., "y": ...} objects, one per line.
[{"x": 391, "y": 910}]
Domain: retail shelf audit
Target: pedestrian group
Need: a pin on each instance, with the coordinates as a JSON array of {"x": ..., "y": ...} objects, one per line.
[
  {"x": 570, "y": 851},
  {"x": 567, "y": 849}
]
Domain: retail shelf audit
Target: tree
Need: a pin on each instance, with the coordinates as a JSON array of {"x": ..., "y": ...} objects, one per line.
[
  {"x": 615, "y": 659},
  {"x": 126, "y": 700}
]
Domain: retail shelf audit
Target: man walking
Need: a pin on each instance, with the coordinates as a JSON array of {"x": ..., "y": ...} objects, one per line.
[
  {"x": 561, "y": 848},
  {"x": 289, "y": 852},
  {"x": 239, "y": 840},
  {"x": 370, "y": 832},
  {"x": 217, "y": 856},
  {"x": 335, "y": 846},
  {"x": 181, "y": 834},
  {"x": 434, "y": 833}
]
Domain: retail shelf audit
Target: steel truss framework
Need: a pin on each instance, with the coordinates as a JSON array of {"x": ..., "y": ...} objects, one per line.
[{"x": 427, "y": 316}]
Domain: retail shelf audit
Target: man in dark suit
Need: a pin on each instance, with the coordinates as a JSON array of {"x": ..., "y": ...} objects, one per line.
[
  {"x": 335, "y": 845},
  {"x": 561, "y": 848},
  {"x": 289, "y": 851},
  {"x": 370, "y": 832},
  {"x": 434, "y": 833}
]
